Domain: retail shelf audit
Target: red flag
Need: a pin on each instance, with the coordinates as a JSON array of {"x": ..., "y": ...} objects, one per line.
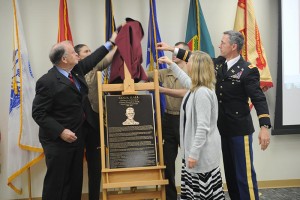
[
  {"x": 64, "y": 31},
  {"x": 253, "y": 50}
]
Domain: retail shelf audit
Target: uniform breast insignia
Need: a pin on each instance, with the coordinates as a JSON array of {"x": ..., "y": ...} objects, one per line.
[
  {"x": 218, "y": 66},
  {"x": 236, "y": 77}
]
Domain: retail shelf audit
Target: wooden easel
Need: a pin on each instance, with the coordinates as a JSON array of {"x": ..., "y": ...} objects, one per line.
[{"x": 136, "y": 176}]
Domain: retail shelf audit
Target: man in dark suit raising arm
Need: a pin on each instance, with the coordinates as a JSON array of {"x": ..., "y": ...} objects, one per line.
[{"x": 63, "y": 112}]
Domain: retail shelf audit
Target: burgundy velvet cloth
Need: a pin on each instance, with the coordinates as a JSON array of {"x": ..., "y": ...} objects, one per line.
[{"x": 129, "y": 50}]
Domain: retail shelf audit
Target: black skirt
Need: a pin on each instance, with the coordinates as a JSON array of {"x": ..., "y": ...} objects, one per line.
[{"x": 201, "y": 186}]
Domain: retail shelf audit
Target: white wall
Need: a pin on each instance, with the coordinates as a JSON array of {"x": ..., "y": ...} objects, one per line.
[{"x": 40, "y": 17}]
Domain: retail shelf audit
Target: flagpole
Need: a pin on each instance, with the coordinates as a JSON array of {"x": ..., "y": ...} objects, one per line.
[
  {"x": 106, "y": 38},
  {"x": 246, "y": 31},
  {"x": 154, "y": 32},
  {"x": 198, "y": 25},
  {"x": 29, "y": 184},
  {"x": 155, "y": 44}
]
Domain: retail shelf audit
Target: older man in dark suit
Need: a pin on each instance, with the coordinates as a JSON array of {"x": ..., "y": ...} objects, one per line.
[{"x": 62, "y": 110}]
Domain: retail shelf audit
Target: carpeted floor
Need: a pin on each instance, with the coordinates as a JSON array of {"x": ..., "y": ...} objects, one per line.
[
  {"x": 269, "y": 194},
  {"x": 279, "y": 194},
  {"x": 265, "y": 194},
  {"x": 275, "y": 194}
]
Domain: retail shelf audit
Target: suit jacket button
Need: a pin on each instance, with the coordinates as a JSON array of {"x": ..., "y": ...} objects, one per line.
[
  {"x": 237, "y": 113},
  {"x": 220, "y": 101},
  {"x": 221, "y": 86},
  {"x": 221, "y": 94},
  {"x": 232, "y": 83}
]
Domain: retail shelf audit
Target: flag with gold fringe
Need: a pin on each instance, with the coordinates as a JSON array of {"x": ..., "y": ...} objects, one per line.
[
  {"x": 24, "y": 148},
  {"x": 152, "y": 53},
  {"x": 64, "y": 31},
  {"x": 197, "y": 35},
  {"x": 253, "y": 50}
]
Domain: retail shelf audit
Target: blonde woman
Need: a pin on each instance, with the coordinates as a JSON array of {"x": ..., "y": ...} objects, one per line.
[{"x": 199, "y": 136}]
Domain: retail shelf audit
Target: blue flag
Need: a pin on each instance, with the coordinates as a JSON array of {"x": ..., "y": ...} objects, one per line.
[
  {"x": 110, "y": 27},
  {"x": 152, "y": 53}
]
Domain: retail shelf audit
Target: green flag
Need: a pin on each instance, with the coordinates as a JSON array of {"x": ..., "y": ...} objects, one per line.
[{"x": 197, "y": 35}]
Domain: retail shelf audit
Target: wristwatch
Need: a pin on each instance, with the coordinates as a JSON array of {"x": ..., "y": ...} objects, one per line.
[{"x": 266, "y": 126}]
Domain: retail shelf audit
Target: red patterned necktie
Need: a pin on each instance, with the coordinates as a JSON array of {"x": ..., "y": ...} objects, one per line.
[{"x": 71, "y": 78}]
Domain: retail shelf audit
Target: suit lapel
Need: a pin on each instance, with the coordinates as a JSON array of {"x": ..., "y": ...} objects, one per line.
[
  {"x": 81, "y": 79},
  {"x": 77, "y": 73},
  {"x": 64, "y": 80},
  {"x": 219, "y": 68}
]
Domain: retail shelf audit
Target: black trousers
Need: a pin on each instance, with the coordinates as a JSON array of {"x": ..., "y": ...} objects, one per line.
[
  {"x": 170, "y": 133},
  {"x": 63, "y": 178},
  {"x": 93, "y": 159}
]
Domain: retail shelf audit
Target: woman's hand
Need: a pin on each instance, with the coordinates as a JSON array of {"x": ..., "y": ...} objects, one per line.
[
  {"x": 164, "y": 47},
  {"x": 164, "y": 59},
  {"x": 191, "y": 163}
]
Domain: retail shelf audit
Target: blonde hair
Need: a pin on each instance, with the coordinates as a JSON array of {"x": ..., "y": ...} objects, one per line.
[{"x": 202, "y": 71}]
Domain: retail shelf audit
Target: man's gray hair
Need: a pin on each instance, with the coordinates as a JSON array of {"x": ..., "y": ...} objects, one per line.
[
  {"x": 237, "y": 38},
  {"x": 57, "y": 52}
]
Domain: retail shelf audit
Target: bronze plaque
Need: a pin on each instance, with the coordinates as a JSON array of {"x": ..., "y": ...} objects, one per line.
[{"x": 131, "y": 132}]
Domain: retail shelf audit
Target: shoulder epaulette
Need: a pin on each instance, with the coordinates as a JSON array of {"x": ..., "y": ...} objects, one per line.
[{"x": 251, "y": 66}]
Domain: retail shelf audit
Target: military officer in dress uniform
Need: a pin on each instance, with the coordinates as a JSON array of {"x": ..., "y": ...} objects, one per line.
[{"x": 237, "y": 82}]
